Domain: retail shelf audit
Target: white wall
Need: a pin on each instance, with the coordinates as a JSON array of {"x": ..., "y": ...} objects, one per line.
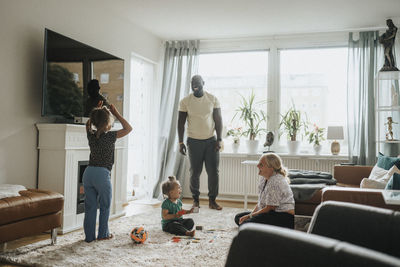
[{"x": 22, "y": 26}]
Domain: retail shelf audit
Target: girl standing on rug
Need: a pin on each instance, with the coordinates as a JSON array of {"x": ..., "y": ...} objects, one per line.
[
  {"x": 171, "y": 210},
  {"x": 275, "y": 200},
  {"x": 96, "y": 177}
]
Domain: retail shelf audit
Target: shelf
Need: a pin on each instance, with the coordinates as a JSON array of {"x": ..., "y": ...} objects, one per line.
[
  {"x": 388, "y": 108},
  {"x": 388, "y": 75},
  {"x": 389, "y": 142}
]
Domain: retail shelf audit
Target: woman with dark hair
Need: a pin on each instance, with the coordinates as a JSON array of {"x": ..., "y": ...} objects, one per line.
[{"x": 95, "y": 99}]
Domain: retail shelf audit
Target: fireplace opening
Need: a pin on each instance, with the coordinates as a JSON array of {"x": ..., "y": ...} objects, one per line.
[{"x": 80, "y": 204}]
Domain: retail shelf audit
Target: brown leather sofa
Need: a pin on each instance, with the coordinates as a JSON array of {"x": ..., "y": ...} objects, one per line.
[
  {"x": 307, "y": 207},
  {"x": 34, "y": 212},
  {"x": 348, "y": 188}
]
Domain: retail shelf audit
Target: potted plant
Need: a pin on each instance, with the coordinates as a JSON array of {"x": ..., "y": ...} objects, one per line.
[
  {"x": 315, "y": 137},
  {"x": 253, "y": 119},
  {"x": 292, "y": 124},
  {"x": 236, "y": 133}
]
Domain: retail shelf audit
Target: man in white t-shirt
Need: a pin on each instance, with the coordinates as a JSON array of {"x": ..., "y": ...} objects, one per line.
[{"x": 203, "y": 114}]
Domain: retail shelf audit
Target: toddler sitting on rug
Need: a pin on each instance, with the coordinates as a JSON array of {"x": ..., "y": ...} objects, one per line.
[{"x": 171, "y": 210}]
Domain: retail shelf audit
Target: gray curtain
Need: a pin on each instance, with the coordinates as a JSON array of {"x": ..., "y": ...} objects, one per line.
[
  {"x": 362, "y": 67},
  {"x": 180, "y": 63}
]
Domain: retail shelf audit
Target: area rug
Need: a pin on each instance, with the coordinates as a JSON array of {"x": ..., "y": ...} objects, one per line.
[{"x": 210, "y": 248}]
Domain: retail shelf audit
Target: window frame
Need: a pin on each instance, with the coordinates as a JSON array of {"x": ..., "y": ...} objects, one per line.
[{"x": 275, "y": 44}]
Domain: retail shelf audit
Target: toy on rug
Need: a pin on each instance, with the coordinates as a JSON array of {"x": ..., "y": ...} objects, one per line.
[{"x": 139, "y": 235}]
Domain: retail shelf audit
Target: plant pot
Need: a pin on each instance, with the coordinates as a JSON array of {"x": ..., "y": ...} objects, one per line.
[
  {"x": 293, "y": 147},
  {"x": 317, "y": 149},
  {"x": 252, "y": 146},
  {"x": 235, "y": 146}
]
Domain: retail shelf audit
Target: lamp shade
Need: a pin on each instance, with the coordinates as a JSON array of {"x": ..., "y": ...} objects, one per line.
[{"x": 335, "y": 133}]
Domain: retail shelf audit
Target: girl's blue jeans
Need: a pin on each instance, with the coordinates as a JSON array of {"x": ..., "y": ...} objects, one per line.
[{"x": 97, "y": 185}]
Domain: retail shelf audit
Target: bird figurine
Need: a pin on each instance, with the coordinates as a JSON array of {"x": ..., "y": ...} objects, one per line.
[{"x": 269, "y": 140}]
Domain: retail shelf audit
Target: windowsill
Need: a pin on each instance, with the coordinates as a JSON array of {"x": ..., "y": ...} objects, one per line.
[{"x": 241, "y": 154}]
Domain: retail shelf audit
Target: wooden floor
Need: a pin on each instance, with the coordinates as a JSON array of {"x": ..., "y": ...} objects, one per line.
[{"x": 132, "y": 208}]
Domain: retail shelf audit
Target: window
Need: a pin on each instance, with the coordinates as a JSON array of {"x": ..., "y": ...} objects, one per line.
[
  {"x": 141, "y": 155},
  {"x": 229, "y": 75},
  {"x": 314, "y": 80}
]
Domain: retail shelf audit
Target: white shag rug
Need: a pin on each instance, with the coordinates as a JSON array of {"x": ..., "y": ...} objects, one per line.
[{"x": 159, "y": 250}]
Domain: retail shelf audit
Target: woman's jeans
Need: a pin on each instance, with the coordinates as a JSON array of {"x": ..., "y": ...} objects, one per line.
[
  {"x": 97, "y": 185},
  {"x": 282, "y": 219}
]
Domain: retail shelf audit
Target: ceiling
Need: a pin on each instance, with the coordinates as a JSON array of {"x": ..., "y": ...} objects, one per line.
[{"x": 214, "y": 19}]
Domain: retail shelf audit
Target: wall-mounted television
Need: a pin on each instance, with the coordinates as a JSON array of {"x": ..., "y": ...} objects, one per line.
[{"x": 68, "y": 67}]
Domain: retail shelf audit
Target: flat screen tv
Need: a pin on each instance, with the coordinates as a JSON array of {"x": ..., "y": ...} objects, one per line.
[{"x": 68, "y": 67}]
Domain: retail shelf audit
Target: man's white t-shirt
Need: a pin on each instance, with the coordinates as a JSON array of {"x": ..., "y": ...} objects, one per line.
[{"x": 199, "y": 110}]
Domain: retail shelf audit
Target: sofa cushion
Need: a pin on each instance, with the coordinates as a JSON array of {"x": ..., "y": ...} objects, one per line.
[
  {"x": 31, "y": 203},
  {"x": 383, "y": 171},
  {"x": 10, "y": 190},
  {"x": 394, "y": 183},
  {"x": 386, "y": 162},
  {"x": 370, "y": 183}
]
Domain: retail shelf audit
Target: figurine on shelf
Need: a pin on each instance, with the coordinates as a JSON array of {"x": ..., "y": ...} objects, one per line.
[
  {"x": 387, "y": 40},
  {"x": 390, "y": 132}
]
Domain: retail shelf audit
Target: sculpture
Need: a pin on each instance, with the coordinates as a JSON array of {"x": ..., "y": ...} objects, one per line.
[
  {"x": 269, "y": 140},
  {"x": 387, "y": 40},
  {"x": 390, "y": 132}
]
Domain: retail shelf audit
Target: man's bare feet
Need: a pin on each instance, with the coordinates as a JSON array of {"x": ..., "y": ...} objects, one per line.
[{"x": 191, "y": 233}]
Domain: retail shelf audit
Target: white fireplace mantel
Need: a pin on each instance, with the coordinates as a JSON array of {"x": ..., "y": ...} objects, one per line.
[{"x": 61, "y": 147}]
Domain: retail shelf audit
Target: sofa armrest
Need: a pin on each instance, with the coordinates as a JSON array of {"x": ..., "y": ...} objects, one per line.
[
  {"x": 370, "y": 197},
  {"x": 366, "y": 226},
  {"x": 351, "y": 175},
  {"x": 267, "y": 245}
]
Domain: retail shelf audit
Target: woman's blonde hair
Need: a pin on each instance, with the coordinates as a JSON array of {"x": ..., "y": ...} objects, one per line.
[
  {"x": 169, "y": 185},
  {"x": 101, "y": 118},
  {"x": 273, "y": 160}
]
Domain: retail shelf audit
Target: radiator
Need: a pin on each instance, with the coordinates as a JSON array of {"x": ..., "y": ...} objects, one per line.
[{"x": 234, "y": 176}]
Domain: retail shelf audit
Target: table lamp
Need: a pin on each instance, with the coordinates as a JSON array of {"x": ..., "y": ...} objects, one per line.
[{"x": 335, "y": 133}]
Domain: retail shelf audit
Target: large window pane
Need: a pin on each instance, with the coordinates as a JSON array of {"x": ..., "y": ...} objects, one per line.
[
  {"x": 314, "y": 80},
  {"x": 229, "y": 75}
]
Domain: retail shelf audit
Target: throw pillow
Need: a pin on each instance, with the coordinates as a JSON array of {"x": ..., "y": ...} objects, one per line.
[
  {"x": 386, "y": 163},
  {"x": 369, "y": 183},
  {"x": 394, "y": 183},
  {"x": 377, "y": 173},
  {"x": 383, "y": 171}
]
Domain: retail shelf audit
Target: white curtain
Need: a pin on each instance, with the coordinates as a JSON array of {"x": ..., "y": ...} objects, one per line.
[
  {"x": 362, "y": 67},
  {"x": 180, "y": 64}
]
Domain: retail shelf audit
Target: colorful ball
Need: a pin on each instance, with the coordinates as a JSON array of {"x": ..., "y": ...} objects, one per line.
[{"x": 138, "y": 235}]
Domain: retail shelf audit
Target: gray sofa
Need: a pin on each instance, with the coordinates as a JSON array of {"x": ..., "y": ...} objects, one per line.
[{"x": 340, "y": 234}]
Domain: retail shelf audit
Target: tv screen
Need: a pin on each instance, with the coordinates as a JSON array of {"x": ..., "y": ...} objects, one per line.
[{"x": 68, "y": 67}]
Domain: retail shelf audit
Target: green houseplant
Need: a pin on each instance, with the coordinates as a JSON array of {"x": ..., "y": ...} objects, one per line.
[
  {"x": 236, "y": 133},
  {"x": 251, "y": 116},
  {"x": 293, "y": 124},
  {"x": 315, "y": 137},
  {"x": 254, "y": 118}
]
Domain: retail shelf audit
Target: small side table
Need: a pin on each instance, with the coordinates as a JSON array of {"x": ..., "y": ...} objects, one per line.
[
  {"x": 391, "y": 197},
  {"x": 248, "y": 164}
]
